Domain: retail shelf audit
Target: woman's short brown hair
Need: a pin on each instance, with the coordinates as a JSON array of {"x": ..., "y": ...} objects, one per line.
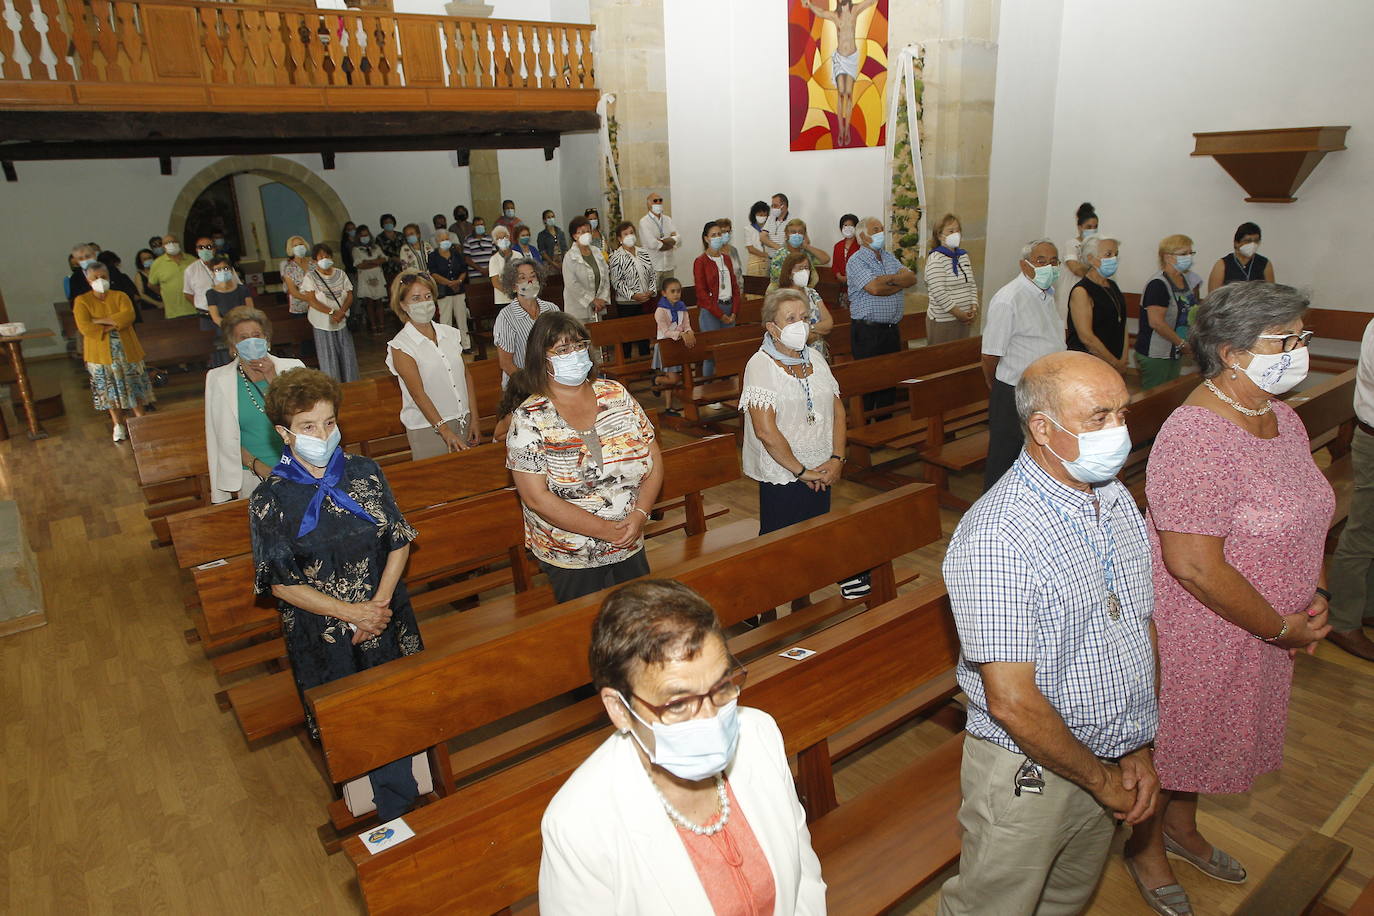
[
  {"x": 647, "y": 622},
  {"x": 298, "y": 390},
  {"x": 238, "y": 316},
  {"x": 402, "y": 284},
  {"x": 939, "y": 229},
  {"x": 789, "y": 264}
]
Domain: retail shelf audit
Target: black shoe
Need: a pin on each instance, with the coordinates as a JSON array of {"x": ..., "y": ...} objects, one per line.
[{"x": 856, "y": 587}]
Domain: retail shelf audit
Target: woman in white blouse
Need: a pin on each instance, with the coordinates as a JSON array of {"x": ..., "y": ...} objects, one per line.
[
  {"x": 950, "y": 283},
  {"x": 586, "y": 277},
  {"x": 438, "y": 408},
  {"x": 330, "y": 294}
]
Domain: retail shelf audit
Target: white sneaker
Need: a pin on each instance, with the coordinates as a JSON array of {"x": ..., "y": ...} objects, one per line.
[
  {"x": 717, "y": 405},
  {"x": 119, "y": 434}
]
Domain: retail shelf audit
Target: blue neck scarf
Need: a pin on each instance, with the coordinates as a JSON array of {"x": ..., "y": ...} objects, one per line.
[
  {"x": 289, "y": 468},
  {"x": 676, "y": 308},
  {"x": 770, "y": 347},
  {"x": 953, "y": 255}
]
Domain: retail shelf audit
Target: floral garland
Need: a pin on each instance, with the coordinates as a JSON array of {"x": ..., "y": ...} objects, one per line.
[{"x": 904, "y": 221}]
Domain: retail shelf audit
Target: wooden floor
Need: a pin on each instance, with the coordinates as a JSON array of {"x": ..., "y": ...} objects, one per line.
[{"x": 126, "y": 790}]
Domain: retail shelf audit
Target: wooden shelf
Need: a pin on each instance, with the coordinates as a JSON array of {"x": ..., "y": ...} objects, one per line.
[{"x": 1270, "y": 164}]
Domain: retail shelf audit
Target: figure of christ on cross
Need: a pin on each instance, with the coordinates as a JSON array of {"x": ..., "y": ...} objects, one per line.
[{"x": 844, "y": 63}]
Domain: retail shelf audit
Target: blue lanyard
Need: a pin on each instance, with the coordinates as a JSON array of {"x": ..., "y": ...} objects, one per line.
[{"x": 1107, "y": 559}]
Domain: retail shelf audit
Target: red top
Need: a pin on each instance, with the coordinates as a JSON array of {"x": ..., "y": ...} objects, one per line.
[
  {"x": 706, "y": 276},
  {"x": 733, "y": 869},
  {"x": 843, "y": 249}
]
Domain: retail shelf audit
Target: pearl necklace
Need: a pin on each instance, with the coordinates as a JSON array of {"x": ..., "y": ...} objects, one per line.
[
  {"x": 681, "y": 820},
  {"x": 1268, "y": 405}
]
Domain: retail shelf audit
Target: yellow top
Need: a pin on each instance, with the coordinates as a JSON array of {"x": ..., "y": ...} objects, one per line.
[{"x": 116, "y": 307}]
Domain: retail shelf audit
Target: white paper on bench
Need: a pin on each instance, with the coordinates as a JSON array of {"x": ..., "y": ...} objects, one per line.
[
  {"x": 384, "y": 836},
  {"x": 797, "y": 653}
]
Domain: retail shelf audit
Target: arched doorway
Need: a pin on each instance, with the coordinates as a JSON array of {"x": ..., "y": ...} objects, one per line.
[{"x": 326, "y": 209}]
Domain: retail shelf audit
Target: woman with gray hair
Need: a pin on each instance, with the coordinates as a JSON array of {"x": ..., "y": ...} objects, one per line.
[
  {"x": 114, "y": 357},
  {"x": 1097, "y": 309},
  {"x": 1238, "y": 514},
  {"x": 511, "y": 331},
  {"x": 241, "y": 445},
  {"x": 794, "y": 429}
]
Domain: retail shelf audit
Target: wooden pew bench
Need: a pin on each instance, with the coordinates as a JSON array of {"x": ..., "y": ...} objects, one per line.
[
  {"x": 467, "y": 533},
  {"x": 908, "y": 822},
  {"x": 496, "y": 664}
]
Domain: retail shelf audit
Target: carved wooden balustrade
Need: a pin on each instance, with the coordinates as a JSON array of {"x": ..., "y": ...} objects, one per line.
[{"x": 178, "y": 55}]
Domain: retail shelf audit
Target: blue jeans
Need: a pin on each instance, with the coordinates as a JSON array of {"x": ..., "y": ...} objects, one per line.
[{"x": 710, "y": 322}]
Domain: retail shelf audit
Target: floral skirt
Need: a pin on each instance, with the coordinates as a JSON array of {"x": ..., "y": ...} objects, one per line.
[{"x": 120, "y": 383}]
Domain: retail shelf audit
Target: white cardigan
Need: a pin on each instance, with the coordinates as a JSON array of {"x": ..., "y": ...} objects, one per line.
[
  {"x": 578, "y": 288},
  {"x": 222, "y": 427},
  {"x": 609, "y": 848}
]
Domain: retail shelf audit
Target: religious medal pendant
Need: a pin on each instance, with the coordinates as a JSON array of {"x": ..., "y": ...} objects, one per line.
[{"x": 1113, "y": 606}]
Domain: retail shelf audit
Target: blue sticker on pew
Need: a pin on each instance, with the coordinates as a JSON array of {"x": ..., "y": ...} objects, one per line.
[
  {"x": 384, "y": 836},
  {"x": 797, "y": 653}
]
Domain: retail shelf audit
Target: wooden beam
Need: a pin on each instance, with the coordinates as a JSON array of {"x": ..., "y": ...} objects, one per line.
[
  {"x": 10, "y": 173},
  {"x": 464, "y": 157},
  {"x": 143, "y": 126},
  {"x": 164, "y": 164},
  {"x": 548, "y": 153},
  {"x": 163, "y": 149},
  {"x": 327, "y": 159}
]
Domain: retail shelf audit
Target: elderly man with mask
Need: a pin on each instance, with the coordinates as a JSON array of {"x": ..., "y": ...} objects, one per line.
[
  {"x": 1050, "y": 583},
  {"x": 1022, "y": 324},
  {"x": 877, "y": 297},
  {"x": 658, "y": 236}
]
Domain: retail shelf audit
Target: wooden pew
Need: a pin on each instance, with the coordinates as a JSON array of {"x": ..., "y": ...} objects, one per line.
[
  {"x": 1336, "y": 324},
  {"x": 1298, "y": 879},
  {"x": 264, "y": 707},
  {"x": 954, "y": 394},
  {"x": 620, "y": 360},
  {"x": 503, "y": 663},
  {"x": 906, "y": 647},
  {"x": 696, "y": 392}
]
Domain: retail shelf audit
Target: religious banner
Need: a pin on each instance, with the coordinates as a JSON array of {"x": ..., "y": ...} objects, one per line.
[
  {"x": 837, "y": 72},
  {"x": 905, "y": 195}
]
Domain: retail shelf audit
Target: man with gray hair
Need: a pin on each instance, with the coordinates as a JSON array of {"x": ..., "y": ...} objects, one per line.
[
  {"x": 1049, "y": 580},
  {"x": 878, "y": 282},
  {"x": 1022, "y": 324}
]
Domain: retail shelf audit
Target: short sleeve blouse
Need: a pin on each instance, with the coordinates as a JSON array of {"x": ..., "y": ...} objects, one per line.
[
  {"x": 768, "y": 386},
  {"x": 442, "y": 373},
  {"x": 540, "y": 441},
  {"x": 331, "y": 291},
  {"x": 290, "y": 269}
]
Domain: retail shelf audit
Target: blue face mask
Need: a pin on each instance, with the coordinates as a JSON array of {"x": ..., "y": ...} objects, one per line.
[
  {"x": 1101, "y": 453},
  {"x": 219, "y": 243},
  {"x": 325, "y": 263},
  {"x": 412, "y": 238},
  {"x": 878, "y": 240},
  {"x": 388, "y": 226},
  {"x": 446, "y": 244},
  {"x": 1046, "y": 275},
  {"x": 158, "y": 251},
  {"x": 571, "y": 368},
  {"x": 316, "y": 451},
  {"x": 204, "y": 255},
  {"x": 365, "y": 239},
  {"x": 87, "y": 263},
  {"x": 251, "y": 348},
  {"x": 725, "y": 238},
  {"x": 223, "y": 276},
  {"x": 1182, "y": 262},
  {"x": 1107, "y": 267},
  {"x": 796, "y": 239},
  {"x": 717, "y": 243},
  {"x": 480, "y": 230},
  {"x": 147, "y": 262}
]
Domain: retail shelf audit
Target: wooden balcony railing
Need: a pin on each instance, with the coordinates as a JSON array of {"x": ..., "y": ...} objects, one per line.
[{"x": 174, "y": 54}]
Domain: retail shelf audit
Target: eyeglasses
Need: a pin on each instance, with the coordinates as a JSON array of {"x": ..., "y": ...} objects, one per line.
[
  {"x": 681, "y": 709},
  {"x": 205, "y": 248},
  {"x": 566, "y": 349},
  {"x": 1290, "y": 341}
]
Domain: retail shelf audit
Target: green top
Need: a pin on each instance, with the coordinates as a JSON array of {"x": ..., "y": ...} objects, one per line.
[
  {"x": 256, "y": 432},
  {"x": 168, "y": 275}
]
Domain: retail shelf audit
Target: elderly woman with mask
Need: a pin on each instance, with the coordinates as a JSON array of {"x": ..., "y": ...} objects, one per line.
[
  {"x": 241, "y": 445},
  {"x": 114, "y": 358},
  {"x": 586, "y": 276},
  {"x": 511, "y": 330},
  {"x": 437, "y": 405},
  {"x": 585, "y": 461},
  {"x": 1238, "y": 515},
  {"x": 690, "y": 806},
  {"x": 1097, "y": 309},
  {"x": 330, "y": 544}
]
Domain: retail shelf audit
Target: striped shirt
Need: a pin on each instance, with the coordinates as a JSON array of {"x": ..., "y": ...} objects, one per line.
[
  {"x": 632, "y": 274},
  {"x": 1027, "y": 573},
  {"x": 949, "y": 290},
  {"x": 511, "y": 331}
]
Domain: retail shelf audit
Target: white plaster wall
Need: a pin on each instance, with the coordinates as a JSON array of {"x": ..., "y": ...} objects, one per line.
[{"x": 1123, "y": 125}]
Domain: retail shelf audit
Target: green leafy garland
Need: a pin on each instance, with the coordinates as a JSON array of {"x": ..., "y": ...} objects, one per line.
[
  {"x": 613, "y": 216},
  {"x": 905, "y": 219}
]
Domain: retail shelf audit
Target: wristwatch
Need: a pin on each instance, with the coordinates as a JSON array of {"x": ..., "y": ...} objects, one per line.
[{"x": 1324, "y": 593}]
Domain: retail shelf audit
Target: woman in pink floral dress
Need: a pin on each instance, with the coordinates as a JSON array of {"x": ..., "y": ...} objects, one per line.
[{"x": 1238, "y": 517}]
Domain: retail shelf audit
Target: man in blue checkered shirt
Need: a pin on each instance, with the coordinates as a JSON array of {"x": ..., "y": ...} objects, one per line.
[
  {"x": 1049, "y": 579},
  {"x": 877, "y": 296}
]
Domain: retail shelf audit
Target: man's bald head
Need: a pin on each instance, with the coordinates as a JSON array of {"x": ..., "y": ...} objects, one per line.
[{"x": 1069, "y": 386}]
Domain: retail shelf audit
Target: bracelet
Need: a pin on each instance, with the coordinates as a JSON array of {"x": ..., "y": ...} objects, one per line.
[
  {"x": 1324, "y": 593},
  {"x": 839, "y": 459},
  {"x": 798, "y": 475},
  {"x": 1273, "y": 639},
  {"x": 640, "y": 511}
]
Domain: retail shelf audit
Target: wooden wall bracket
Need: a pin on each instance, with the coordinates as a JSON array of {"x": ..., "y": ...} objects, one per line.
[{"x": 1270, "y": 164}]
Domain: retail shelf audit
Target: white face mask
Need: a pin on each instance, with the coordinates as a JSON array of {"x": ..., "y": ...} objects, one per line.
[
  {"x": 793, "y": 337},
  {"x": 1101, "y": 453},
  {"x": 299, "y": 251},
  {"x": 1249, "y": 248},
  {"x": 1089, "y": 233},
  {"x": 173, "y": 248},
  {"x": 584, "y": 239},
  {"x": 503, "y": 244},
  {"x": 629, "y": 240},
  {"x": 774, "y": 212},
  {"x": 422, "y": 311},
  {"x": 100, "y": 285},
  {"x": 801, "y": 278},
  {"x": 527, "y": 290},
  {"x": 1277, "y": 373},
  {"x": 657, "y": 209},
  {"x": 695, "y": 749},
  {"x": 952, "y": 240},
  {"x": 847, "y": 232}
]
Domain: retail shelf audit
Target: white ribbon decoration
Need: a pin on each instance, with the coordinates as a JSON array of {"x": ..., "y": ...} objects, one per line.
[
  {"x": 902, "y": 77},
  {"x": 607, "y": 155}
]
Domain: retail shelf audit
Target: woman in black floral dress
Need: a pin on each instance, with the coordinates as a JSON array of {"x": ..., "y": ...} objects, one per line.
[{"x": 331, "y": 545}]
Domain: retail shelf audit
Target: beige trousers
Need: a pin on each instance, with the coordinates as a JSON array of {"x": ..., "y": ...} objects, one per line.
[
  {"x": 938, "y": 332},
  {"x": 426, "y": 443},
  {"x": 1032, "y": 854}
]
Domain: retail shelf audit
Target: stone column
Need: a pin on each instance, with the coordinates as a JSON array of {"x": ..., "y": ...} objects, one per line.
[
  {"x": 485, "y": 177},
  {"x": 629, "y": 64}
]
